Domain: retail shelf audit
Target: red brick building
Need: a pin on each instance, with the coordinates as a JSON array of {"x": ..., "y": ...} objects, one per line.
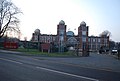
[
  {"x": 95, "y": 42},
  {"x": 64, "y": 38}
]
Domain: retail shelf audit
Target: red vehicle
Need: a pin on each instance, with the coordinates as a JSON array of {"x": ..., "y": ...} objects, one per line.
[{"x": 10, "y": 45}]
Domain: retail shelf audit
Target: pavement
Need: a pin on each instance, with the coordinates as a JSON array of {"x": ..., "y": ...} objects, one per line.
[{"x": 95, "y": 61}]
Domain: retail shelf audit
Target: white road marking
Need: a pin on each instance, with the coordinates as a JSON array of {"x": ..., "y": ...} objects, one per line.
[
  {"x": 11, "y": 61},
  {"x": 73, "y": 75}
]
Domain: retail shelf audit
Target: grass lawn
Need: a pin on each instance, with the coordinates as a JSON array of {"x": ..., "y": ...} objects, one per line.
[{"x": 36, "y": 52}]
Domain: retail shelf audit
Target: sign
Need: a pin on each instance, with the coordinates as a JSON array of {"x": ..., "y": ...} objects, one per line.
[{"x": 45, "y": 46}]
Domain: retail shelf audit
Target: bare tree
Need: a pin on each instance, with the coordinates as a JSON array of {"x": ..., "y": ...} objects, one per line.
[
  {"x": 8, "y": 17},
  {"x": 106, "y": 33}
]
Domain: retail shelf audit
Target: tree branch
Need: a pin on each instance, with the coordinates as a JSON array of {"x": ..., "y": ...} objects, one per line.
[
  {"x": 5, "y": 27},
  {"x": 8, "y": 18}
]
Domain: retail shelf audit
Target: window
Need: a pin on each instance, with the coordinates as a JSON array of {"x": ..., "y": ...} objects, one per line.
[
  {"x": 36, "y": 38},
  {"x": 88, "y": 39},
  {"x": 106, "y": 41},
  {"x": 98, "y": 39},
  {"x": 61, "y": 38},
  {"x": 84, "y": 39},
  {"x": 93, "y": 40},
  {"x": 84, "y": 28},
  {"x": 83, "y": 32}
]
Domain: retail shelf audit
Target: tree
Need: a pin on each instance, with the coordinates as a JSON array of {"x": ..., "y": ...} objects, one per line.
[
  {"x": 8, "y": 17},
  {"x": 106, "y": 33}
]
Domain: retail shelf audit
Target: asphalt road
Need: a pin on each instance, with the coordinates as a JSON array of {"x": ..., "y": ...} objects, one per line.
[{"x": 24, "y": 68}]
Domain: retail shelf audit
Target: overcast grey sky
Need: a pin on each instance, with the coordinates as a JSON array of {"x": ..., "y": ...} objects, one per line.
[{"x": 99, "y": 15}]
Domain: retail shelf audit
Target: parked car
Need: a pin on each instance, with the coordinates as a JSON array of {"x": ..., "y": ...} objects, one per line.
[{"x": 114, "y": 51}]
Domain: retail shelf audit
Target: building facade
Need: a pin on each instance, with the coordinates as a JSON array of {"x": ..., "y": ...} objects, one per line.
[
  {"x": 95, "y": 42},
  {"x": 83, "y": 42}
]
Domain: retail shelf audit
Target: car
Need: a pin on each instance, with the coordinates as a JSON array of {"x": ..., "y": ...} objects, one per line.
[{"x": 114, "y": 51}]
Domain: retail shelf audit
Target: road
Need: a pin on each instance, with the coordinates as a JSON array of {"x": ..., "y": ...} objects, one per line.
[{"x": 27, "y": 68}]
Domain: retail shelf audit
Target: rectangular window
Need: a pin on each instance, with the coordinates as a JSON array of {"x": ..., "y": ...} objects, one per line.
[
  {"x": 88, "y": 39},
  {"x": 36, "y": 38},
  {"x": 84, "y": 39},
  {"x": 98, "y": 39},
  {"x": 84, "y": 33},
  {"x": 93, "y": 40}
]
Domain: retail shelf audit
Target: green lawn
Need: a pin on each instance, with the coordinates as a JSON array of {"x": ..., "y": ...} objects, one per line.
[{"x": 36, "y": 52}]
